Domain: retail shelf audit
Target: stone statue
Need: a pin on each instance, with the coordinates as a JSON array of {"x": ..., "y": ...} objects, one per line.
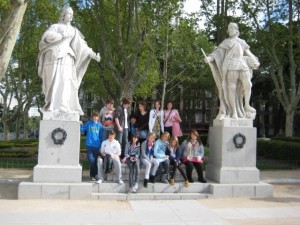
[
  {"x": 232, "y": 63},
  {"x": 63, "y": 60}
]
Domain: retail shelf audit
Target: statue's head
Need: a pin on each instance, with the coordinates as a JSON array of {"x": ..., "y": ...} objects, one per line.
[
  {"x": 233, "y": 29},
  {"x": 66, "y": 11}
]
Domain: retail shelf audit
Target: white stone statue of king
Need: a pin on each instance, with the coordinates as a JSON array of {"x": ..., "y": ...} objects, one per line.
[
  {"x": 232, "y": 63},
  {"x": 232, "y": 138}
]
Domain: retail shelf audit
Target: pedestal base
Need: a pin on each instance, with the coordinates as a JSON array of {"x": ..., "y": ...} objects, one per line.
[
  {"x": 58, "y": 162},
  {"x": 57, "y": 174},
  {"x": 232, "y": 155},
  {"x": 251, "y": 190},
  {"x": 232, "y": 175}
]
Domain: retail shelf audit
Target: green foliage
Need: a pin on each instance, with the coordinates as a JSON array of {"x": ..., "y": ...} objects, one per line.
[
  {"x": 148, "y": 85},
  {"x": 4, "y": 4},
  {"x": 28, "y": 163},
  {"x": 279, "y": 150},
  {"x": 18, "y": 143},
  {"x": 183, "y": 42},
  {"x": 92, "y": 83},
  {"x": 275, "y": 165},
  {"x": 288, "y": 139},
  {"x": 97, "y": 79},
  {"x": 18, "y": 149},
  {"x": 277, "y": 42},
  {"x": 82, "y": 143},
  {"x": 23, "y": 82},
  {"x": 218, "y": 14},
  {"x": 16, "y": 154}
]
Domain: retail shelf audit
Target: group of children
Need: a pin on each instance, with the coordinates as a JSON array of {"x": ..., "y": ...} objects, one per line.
[{"x": 161, "y": 156}]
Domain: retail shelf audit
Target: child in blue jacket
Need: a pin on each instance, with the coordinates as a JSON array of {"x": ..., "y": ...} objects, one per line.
[{"x": 93, "y": 130}]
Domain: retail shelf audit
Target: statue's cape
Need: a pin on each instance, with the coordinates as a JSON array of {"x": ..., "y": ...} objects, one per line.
[
  {"x": 218, "y": 74},
  {"x": 82, "y": 52},
  {"x": 222, "y": 54},
  {"x": 79, "y": 47}
]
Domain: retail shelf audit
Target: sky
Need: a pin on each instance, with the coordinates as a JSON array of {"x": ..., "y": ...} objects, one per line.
[{"x": 191, "y": 6}]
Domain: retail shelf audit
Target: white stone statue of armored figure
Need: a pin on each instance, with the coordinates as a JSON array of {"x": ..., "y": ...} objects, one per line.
[
  {"x": 63, "y": 60},
  {"x": 232, "y": 63}
]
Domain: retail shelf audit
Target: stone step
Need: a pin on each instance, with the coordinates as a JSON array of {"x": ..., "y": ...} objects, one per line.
[
  {"x": 89, "y": 190},
  {"x": 149, "y": 196},
  {"x": 125, "y": 174},
  {"x": 152, "y": 188}
]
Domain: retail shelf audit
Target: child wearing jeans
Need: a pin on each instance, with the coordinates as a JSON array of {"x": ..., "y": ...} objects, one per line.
[
  {"x": 113, "y": 148},
  {"x": 159, "y": 154},
  {"x": 147, "y": 157},
  {"x": 132, "y": 159}
]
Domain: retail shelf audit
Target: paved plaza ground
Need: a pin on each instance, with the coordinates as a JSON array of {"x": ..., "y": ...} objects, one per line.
[{"x": 282, "y": 208}]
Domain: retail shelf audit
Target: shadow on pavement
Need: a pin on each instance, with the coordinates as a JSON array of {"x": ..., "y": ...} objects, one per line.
[{"x": 9, "y": 191}]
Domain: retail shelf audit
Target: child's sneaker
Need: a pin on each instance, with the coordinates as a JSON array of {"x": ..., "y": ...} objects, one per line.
[
  {"x": 132, "y": 190},
  {"x": 172, "y": 181},
  {"x": 186, "y": 183},
  {"x": 99, "y": 181}
]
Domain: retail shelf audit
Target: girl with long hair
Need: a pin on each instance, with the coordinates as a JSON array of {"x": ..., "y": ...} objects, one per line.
[{"x": 193, "y": 153}]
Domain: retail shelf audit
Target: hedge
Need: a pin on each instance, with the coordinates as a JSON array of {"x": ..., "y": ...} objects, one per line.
[
  {"x": 18, "y": 152},
  {"x": 279, "y": 150},
  {"x": 20, "y": 143},
  {"x": 290, "y": 139}
]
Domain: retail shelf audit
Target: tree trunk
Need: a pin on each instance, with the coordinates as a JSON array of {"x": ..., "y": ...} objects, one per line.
[
  {"x": 5, "y": 130},
  {"x": 214, "y": 108},
  {"x": 127, "y": 90},
  {"x": 289, "y": 122},
  {"x": 9, "y": 30},
  {"x": 289, "y": 97},
  {"x": 25, "y": 126},
  {"x": 17, "y": 130},
  {"x": 5, "y": 116},
  {"x": 163, "y": 92}
]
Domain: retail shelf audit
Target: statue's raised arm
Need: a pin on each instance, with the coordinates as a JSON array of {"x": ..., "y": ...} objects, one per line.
[
  {"x": 232, "y": 63},
  {"x": 63, "y": 60}
]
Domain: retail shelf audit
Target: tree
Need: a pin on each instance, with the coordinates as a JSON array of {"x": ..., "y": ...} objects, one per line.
[
  {"x": 196, "y": 79},
  {"x": 217, "y": 14},
  {"x": 8, "y": 115},
  {"x": 27, "y": 85},
  {"x": 162, "y": 40},
  {"x": 122, "y": 30},
  {"x": 21, "y": 81},
  {"x": 278, "y": 33},
  {"x": 121, "y": 33},
  {"x": 10, "y": 24}
]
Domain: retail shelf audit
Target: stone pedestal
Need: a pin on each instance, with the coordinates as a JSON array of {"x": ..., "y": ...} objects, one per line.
[
  {"x": 232, "y": 152},
  {"x": 59, "y": 149},
  {"x": 58, "y": 174}
]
